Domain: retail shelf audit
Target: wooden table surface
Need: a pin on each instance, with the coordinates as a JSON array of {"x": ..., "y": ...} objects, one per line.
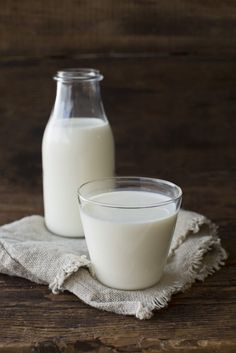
[{"x": 170, "y": 98}]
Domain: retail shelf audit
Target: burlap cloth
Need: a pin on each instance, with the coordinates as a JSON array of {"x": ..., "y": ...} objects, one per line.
[{"x": 29, "y": 250}]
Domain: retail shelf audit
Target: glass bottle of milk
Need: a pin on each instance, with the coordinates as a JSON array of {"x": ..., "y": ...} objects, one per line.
[{"x": 77, "y": 146}]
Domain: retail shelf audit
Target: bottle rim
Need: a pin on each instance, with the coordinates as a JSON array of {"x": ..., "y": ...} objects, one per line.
[{"x": 78, "y": 74}]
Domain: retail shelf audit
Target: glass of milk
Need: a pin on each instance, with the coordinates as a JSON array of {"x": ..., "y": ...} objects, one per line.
[
  {"x": 77, "y": 146},
  {"x": 128, "y": 224}
]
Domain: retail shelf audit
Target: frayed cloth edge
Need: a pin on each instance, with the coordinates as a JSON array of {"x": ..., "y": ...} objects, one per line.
[
  {"x": 145, "y": 312},
  {"x": 57, "y": 285}
]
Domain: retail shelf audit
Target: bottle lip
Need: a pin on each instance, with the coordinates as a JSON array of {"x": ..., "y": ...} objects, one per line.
[{"x": 78, "y": 74}]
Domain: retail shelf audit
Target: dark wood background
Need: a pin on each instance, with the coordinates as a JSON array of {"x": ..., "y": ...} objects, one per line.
[{"x": 169, "y": 93}]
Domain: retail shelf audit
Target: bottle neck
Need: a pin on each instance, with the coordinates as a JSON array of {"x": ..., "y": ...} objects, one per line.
[{"x": 78, "y": 99}]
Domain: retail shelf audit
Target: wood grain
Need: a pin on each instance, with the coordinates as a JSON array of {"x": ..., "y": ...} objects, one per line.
[
  {"x": 42, "y": 28},
  {"x": 173, "y": 121},
  {"x": 169, "y": 93},
  {"x": 40, "y": 320},
  {"x": 164, "y": 113}
]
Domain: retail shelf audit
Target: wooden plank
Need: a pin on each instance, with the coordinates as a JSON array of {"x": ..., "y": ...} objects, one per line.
[
  {"x": 172, "y": 118},
  {"x": 46, "y": 29},
  {"x": 181, "y": 107},
  {"x": 194, "y": 321}
]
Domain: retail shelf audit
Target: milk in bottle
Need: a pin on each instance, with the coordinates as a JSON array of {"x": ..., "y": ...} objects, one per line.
[{"x": 77, "y": 147}]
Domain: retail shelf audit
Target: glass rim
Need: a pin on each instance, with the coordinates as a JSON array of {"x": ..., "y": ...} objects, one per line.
[
  {"x": 78, "y": 74},
  {"x": 134, "y": 179}
]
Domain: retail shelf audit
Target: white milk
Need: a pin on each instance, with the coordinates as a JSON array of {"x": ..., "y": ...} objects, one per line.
[
  {"x": 74, "y": 151},
  {"x": 128, "y": 247}
]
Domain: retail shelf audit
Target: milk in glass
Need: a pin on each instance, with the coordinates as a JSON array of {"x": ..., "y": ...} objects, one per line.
[{"x": 128, "y": 246}]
